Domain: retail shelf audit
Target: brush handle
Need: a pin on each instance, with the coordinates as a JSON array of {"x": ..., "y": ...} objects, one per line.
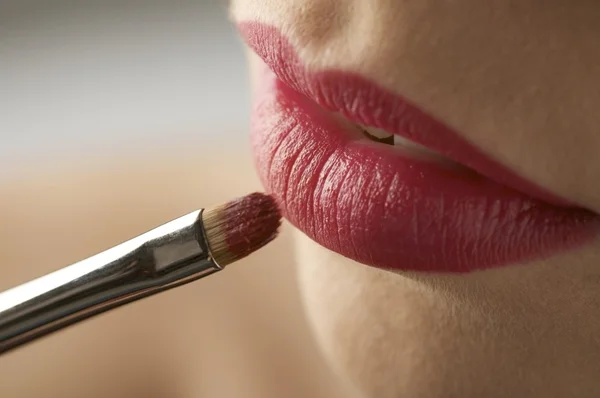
[{"x": 166, "y": 257}]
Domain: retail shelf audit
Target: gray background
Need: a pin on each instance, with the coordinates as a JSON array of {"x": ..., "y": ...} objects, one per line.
[{"x": 91, "y": 79}]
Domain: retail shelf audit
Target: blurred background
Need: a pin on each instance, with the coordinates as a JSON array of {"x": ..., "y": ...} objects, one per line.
[
  {"x": 118, "y": 116},
  {"x": 87, "y": 76}
]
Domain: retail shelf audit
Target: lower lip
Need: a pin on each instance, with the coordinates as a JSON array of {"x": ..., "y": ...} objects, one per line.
[{"x": 386, "y": 209}]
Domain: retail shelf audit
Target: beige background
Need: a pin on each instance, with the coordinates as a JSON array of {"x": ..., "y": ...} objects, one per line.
[
  {"x": 240, "y": 333},
  {"x": 117, "y": 116}
]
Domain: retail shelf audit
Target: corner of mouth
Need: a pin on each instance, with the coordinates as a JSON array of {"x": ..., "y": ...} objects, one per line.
[
  {"x": 363, "y": 102},
  {"x": 389, "y": 211}
]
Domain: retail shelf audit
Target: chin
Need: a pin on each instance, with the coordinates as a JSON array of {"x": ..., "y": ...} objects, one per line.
[{"x": 517, "y": 331}]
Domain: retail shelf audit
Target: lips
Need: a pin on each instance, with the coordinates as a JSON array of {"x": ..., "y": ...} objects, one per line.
[{"x": 384, "y": 207}]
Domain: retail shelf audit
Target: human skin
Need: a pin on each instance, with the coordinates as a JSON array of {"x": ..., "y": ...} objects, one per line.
[{"x": 519, "y": 81}]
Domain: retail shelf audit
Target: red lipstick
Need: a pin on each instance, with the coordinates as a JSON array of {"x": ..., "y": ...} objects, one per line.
[{"x": 383, "y": 207}]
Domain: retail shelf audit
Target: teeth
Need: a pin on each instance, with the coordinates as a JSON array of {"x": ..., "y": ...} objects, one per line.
[
  {"x": 378, "y": 135},
  {"x": 401, "y": 141},
  {"x": 384, "y": 137},
  {"x": 406, "y": 146}
]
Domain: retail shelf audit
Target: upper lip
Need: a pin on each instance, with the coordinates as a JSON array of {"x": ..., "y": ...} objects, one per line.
[
  {"x": 385, "y": 209},
  {"x": 377, "y": 107}
]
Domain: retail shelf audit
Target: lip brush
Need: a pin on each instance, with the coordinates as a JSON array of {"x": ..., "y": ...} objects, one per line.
[{"x": 186, "y": 249}]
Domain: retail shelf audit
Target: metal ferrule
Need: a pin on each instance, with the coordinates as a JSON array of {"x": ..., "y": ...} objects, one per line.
[{"x": 171, "y": 255}]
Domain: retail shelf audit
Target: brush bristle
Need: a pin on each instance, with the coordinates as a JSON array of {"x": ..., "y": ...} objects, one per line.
[{"x": 240, "y": 227}]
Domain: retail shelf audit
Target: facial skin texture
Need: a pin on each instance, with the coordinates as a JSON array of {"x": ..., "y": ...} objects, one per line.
[{"x": 519, "y": 80}]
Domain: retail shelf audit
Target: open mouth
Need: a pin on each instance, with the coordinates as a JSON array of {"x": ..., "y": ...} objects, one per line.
[{"x": 366, "y": 174}]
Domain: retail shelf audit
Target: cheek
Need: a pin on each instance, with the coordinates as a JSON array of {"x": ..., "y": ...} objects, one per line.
[{"x": 394, "y": 335}]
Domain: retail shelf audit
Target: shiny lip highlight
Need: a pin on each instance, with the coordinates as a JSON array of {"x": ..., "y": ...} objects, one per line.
[{"x": 385, "y": 209}]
